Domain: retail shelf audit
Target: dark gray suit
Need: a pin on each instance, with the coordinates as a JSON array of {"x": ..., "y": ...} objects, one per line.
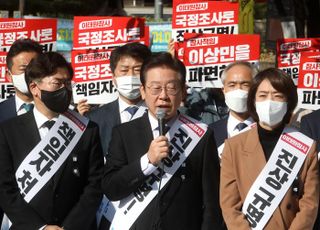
[
  {"x": 68, "y": 199},
  {"x": 107, "y": 116},
  {"x": 189, "y": 201},
  {"x": 220, "y": 130},
  {"x": 8, "y": 109}
]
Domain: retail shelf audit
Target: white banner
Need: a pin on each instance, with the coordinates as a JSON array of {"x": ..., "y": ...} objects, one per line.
[{"x": 50, "y": 153}]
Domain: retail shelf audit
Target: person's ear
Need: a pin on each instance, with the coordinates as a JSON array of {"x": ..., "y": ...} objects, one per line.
[
  {"x": 9, "y": 76},
  {"x": 35, "y": 91},
  {"x": 142, "y": 92}
]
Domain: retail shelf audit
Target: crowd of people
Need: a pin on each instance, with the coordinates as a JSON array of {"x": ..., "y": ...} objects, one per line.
[{"x": 162, "y": 155}]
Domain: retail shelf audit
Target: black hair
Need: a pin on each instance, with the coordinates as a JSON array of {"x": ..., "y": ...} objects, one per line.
[
  {"x": 135, "y": 50},
  {"x": 46, "y": 64},
  {"x": 164, "y": 59},
  {"x": 22, "y": 45}
]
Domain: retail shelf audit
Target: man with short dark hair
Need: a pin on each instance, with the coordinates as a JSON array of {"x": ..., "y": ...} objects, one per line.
[
  {"x": 20, "y": 54},
  {"x": 51, "y": 160},
  {"x": 236, "y": 80},
  {"x": 125, "y": 64},
  {"x": 163, "y": 181}
]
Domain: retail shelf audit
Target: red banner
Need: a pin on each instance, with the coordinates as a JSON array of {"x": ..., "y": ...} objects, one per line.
[
  {"x": 194, "y": 16},
  {"x": 42, "y": 30},
  {"x": 207, "y": 55},
  {"x": 289, "y": 52},
  {"x": 92, "y": 76},
  {"x": 309, "y": 81},
  {"x": 108, "y": 32},
  {"x": 6, "y": 88}
]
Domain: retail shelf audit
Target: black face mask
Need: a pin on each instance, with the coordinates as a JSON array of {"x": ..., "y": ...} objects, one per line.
[{"x": 57, "y": 101}]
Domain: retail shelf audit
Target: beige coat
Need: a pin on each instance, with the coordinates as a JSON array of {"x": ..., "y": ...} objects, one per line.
[{"x": 242, "y": 161}]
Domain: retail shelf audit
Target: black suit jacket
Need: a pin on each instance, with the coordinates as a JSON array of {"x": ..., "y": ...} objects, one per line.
[
  {"x": 107, "y": 116},
  {"x": 310, "y": 126},
  {"x": 68, "y": 199},
  {"x": 189, "y": 201},
  {"x": 8, "y": 109},
  {"x": 220, "y": 130}
]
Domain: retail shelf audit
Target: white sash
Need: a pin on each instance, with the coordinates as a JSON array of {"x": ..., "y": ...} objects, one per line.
[
  {"x": 276, "y": 177},
  {"x": 184, "y": 135},
  {"x": 49, "y": 154}
]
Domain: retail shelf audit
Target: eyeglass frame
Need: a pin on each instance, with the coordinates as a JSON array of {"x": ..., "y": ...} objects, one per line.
[{"x": 177, "y": 89}]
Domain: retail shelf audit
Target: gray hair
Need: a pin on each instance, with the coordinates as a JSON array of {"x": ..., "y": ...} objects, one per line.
[{"x": 253, "y": 68}]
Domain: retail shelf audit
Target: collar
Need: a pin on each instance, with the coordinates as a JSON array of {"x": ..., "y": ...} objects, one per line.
[
  {"x": 154, "y": 122},
  {"x": 19, "y": 103},
  {"x": 124, "y": 105},
  {"x": 233, "y": 122},
  {"x": 40, "y": 118}
]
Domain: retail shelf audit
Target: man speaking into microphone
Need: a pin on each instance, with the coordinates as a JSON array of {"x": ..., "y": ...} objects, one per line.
[{"x": 163, "y": 179}]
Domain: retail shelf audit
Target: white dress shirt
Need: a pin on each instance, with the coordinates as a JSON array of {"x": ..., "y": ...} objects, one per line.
[
  {"x": 40, "y": 120},
  {"x": 233, "y": 122},
  {"x": 125, "y": 116},
  {"x": 19, "y": 108}
]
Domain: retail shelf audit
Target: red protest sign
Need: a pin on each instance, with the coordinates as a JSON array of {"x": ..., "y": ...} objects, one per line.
[
  {"x": 6, "y": 88},
  {"x": 92, "y": 76},
  {"x": 289, "y": 52},
  {"x": 309, "y": 81},
  {"x": 108, "y": 32},
  {"x": 207, "y": 55},
  {"x": 42, "y": 30},
  {"x": 203, "y": 17},
  {"x": 3, "y": 67}
]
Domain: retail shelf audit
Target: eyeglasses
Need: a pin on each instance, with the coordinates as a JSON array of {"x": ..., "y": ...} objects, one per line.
[{"x": 171, "y": 89}]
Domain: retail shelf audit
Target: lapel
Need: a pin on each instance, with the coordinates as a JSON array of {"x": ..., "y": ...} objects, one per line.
[
  {"x": 144, "y": 132},
  {"x": 12, "y": 108},
  {"x": 254, "y": 155},
  {"x": 224, "y": 128},
  {"x": 114, "y": 114},
  {"x": 28, "y": 128},
  {"x": 220, "y": 131}
]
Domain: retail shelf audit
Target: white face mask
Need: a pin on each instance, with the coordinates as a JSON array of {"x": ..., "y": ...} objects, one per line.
[
  {"x": 271, "y": 112},
  {"x": 236, "y": 100},
  {"x": 129, "y": 86},
  {"x": 19, "y": 82}
]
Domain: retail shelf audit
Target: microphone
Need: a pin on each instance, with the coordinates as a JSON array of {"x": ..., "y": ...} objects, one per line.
[{"x": 160, "y": 114}]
